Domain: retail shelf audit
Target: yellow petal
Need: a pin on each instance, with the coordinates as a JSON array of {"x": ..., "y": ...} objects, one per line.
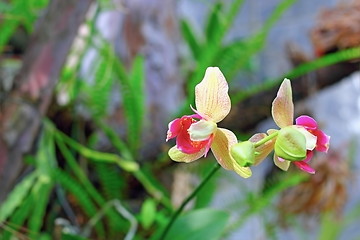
[
  {"x": 283, "y": 165},
  {"x": 211, "y": 95},
  {"x": 220, "y": 147},
  {"x": 244, "y": 172},
  {"x": 178, "y": 156},
  {"x": 282, "y": 106},
  {"x": 263, "y": 150}
]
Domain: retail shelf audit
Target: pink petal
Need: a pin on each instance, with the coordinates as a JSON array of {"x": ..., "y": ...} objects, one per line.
[
  {"x": 309, "y": 156},
  {"x": 184, "y": 143},
  {"x": 208, "y": 145},
  {"x": 174, "y": 129},
  {"x": 307, "y": 122},
  {"x": 323, "y": 141},
  {"x": 304, "y": 166}
]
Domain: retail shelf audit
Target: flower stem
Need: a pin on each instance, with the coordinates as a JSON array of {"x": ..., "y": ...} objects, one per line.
[
  {"x": 188, "y": 199},
  {"x": 265, "y": 139}
]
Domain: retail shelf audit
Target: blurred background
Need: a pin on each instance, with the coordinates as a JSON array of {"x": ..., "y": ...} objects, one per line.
[{"x": 88, "y": 87}]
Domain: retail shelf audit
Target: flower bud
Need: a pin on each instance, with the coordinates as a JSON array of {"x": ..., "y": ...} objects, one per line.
[
  {"x": 290, "y": 144},
  {"x": 243, "y": 153}
]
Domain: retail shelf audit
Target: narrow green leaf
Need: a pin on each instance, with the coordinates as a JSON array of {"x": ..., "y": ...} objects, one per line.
[
  {"x": 190, "y": 38},
  {"x": 17, "y": 196},
  {"x": 96, "y": 155},
  {"x": 41, "y": 194},
  {"x": 327, "y": 60},
  {"x": 18, "y": 218},
  {"x": 137, "y": 81},
  {"x": 100, "y": 92},
  {"x": 72, "y": 186},
  {"x": 215, "y": 21},
  {"x": 148, "y": 213}
]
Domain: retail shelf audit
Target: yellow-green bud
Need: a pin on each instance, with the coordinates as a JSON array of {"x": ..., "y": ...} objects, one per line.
[
  {"x": 243, "y": 153},
  {"x": 290, "y": 144}
]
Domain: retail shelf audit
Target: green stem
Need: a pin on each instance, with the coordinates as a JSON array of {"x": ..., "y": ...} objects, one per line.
[
  {"x": 188, "y": 199},
  {"x": 265, "y": 139}
]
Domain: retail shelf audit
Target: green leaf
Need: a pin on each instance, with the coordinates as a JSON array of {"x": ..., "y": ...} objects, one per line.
[
  {"x": 100, "y": 92},
  {"x": 206, "y": 224},
  {"x": 327, "y": 60},
  {"x": 98, "y": 156},
  {"x": 148, "y": 213},
  {"x": 191, "y": 39},
  {"x": 69, "y": 236},
  {"x": 17, "y": 196},
  {"x": 72, "y": 186},
  {"x": 41, "y": 194},
  {"x": 215, "y": 21},
  {"x": 137, "y": 79}
]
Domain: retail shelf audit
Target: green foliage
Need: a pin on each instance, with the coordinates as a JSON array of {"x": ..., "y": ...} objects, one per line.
[
  {"x": 17, "y": 196},
  {"x": 327, "y": 60},
  {"x": 16, "y": 13},
  {"x": 199, "y": 224},
  {"x": 71, "y": 186},
  {"x": 230, "y": 57},
  {"x": 99, "y": 182},
  {"x": 148, "y": 213}
]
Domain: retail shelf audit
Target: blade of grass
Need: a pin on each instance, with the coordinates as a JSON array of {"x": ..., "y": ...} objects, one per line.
[{"x": 327, "y": 60}]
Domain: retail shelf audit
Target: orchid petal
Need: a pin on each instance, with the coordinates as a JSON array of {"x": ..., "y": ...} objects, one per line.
[
  {"x": 263, "y": 150},
  {"x": 178, "y": 156},
  {"x": 244, "y": 172},
  {"x": 184, "y": 143},
  {"x": 323, "y": 141},
  {"x": 306, "y": 121},
  {"x": 310, "y": 138},
  {"x": 220, "y": 147},
  {"x": 211, "y": 95},
  {"x": 202, "y": 130},
  {"x": 305, "y": 167},
  {"x": 283, "y": 165},
  {"x": 309, "y": 156},
  {"x": 282, "y": 106},
  {"x": 174, "y": 129}
]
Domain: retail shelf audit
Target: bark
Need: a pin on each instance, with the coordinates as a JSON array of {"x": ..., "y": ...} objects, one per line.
[{"x": 28, "y": 101}]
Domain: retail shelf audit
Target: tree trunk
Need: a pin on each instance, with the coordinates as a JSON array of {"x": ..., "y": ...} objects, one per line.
[{"x": 28, "y": 101}]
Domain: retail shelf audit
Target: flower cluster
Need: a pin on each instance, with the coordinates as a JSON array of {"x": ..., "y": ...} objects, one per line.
[{"x": 196, "y": 134}]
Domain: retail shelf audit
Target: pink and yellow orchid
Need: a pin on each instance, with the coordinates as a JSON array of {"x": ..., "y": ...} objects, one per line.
[
  {"x": 298, "y": 141},
  {"x": 198, "y": 133}
]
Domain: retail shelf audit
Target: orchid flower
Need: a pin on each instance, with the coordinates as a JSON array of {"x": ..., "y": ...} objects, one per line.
[
  {"x": 295, "y": 142},
  {"x": 198, "y": 133}
]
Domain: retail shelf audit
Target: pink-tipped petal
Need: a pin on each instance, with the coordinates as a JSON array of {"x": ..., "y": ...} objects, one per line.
[
  {"x": 174, "y": 128},
  {"x": 304, "y": 167},
  {"x": 307, "y": 122},
  {"x": 309, "y": 156},
  {"x": 323, "y": 141},
  {"x": 282, "y": 107},
  {"x": 283, "y": 165}
]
